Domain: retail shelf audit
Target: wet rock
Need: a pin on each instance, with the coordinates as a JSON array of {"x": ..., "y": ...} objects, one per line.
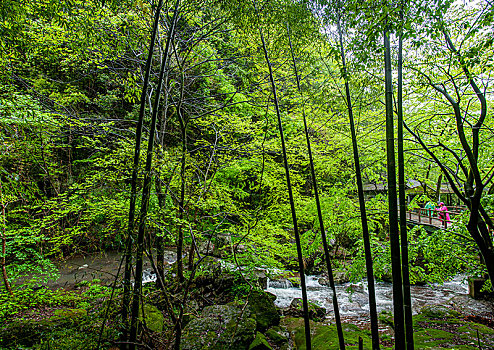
[
  {"x": 356, "y": 288},
  {"x": 152, "y": 318},
  {"x": 316, "y": 312},
  {"x": 468, "y": 306},
  {"x": 277, "y": 335},
  {"x": 339, "y": 277},
  {"x": 29, "y": 331},
  {"x": 438, "y": 311},
  {"x": 220, "y": 327},
  {"x": 260, "y": 343},
  {"x": 261, "y": 305},
  {"x": 280, "y": 283}
]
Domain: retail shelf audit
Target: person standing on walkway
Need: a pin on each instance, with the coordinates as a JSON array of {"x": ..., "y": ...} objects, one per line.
[
  {"x": 429, "y": 208},
  {"x": 443, "y": 214}
]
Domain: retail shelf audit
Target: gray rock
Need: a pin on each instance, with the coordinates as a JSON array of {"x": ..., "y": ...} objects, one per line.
[
  {"x": 316, "y": 312},
  {"x": 220, "y": 327},
  {"x": 261, "y": 305},
  {"x": 438, "y": 311},
  {"x": 468, "y": 306}
]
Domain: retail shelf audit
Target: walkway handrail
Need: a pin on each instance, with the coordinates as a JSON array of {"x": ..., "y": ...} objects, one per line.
[{"x": 427, "y": 216}]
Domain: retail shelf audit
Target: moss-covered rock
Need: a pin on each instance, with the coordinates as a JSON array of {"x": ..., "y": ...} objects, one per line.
[
  {"x": 468, "y": 306},
  {"x": 438, "y": 311},
  {"x": 261, "y": 305},
  {"x": 31, "y": 329},
  {"x": 277, "y": 335},
  {"x": 326, "y": 336},
  {"x": 153, "y": 318},
  {"x": 316, "y": 312},
  {"x": 220, "y": 327},
  {"x": 442, "y": 328},
  {"x": 260, "y": 343}
]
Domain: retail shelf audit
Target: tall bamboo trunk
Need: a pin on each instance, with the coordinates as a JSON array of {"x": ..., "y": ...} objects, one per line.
[
  {"x": 407, "y": 298},
  {"x": 393, "y": 207},
  {"x": 135, "y": 169},
  {"x": 363, "y": 212},
  {"x": 181, "y": 203},
  {"x": 4, "y": 240},
  {"x": 147, "y": 188},
  {"x": 336, "y": 308},
  {"x": 289, "y": 186}
]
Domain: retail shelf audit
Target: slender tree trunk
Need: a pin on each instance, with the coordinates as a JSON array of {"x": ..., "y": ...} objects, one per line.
[
  {"x": 393, "y": 207},
  {"x": 290, "y": 192},
  {"x": 2, "y": 260},
  {"x": 319, "y": 211},
  {"x": 181, "y": 203},
  {"x": 407, "y": 298},
  {"x": 438, "y": 187},
  {"x": 135, "y": 169},
  {"x": 363, "y": 213},
  {"x": 160, "y": 250},
  {"x": 147, "y": 187}
]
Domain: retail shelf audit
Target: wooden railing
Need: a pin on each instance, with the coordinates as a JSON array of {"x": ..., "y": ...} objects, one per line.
[{"x": 433, "y": 217}]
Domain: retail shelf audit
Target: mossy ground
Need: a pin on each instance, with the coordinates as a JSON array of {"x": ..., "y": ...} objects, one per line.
[
  {"x": 431, "y": 331},
  {"x": 56, "y": 319},
  {"x": 451, "y": 332}
]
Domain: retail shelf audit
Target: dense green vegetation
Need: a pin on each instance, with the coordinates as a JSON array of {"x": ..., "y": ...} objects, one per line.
[{"x": 71, "y": 79}]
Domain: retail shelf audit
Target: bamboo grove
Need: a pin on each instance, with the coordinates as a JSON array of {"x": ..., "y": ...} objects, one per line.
[{"x": 265, "y": 124}]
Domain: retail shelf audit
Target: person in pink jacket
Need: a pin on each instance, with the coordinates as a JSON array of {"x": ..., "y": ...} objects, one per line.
[{"x": 443, "y": 213}]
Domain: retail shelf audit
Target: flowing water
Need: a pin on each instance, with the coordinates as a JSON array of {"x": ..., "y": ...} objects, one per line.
[
  {"x": 353, "y": 298},
  {"x": 103, "y": 267}
]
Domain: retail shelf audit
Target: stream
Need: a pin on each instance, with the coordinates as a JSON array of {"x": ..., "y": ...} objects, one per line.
[{"x": 352, "y": 297}]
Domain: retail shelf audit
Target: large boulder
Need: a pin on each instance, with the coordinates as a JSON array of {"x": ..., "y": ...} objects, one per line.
[
  {"x": 316, "y": 312},
  {"x": 260, "y": 343},
  {"x": 30, "y": 329},
  {"x": 220, "y": 327},
  {"x": 261, "y": 305},
  {"x": 468, "y": 306},
  {"x": 152, "y": 318},
  {"x": 438, "y": 312}
]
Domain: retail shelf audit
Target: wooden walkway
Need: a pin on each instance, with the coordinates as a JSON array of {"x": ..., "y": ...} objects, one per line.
[{"x": 429, "y": 217}]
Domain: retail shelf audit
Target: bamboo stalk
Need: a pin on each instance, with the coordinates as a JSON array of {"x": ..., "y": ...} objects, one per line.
[
  {"x": 290, "y": 191},
  {"x": 393, "y": 207},
  {"x": 363, "y": 213},
  {"x": 147, "y": 187},
  {"x": 135, "y": 168},
  {"x": 407, "y": 298},
  {"x": 318, "y": 204}
]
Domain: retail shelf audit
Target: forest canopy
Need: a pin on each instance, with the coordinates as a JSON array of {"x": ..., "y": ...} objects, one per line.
[{"x": 141, "y": 127}]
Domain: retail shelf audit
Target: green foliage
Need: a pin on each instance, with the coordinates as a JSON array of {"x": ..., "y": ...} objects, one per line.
[{"x": 28, "y": 298}]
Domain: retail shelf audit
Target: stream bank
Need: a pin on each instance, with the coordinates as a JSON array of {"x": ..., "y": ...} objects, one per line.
[{"x": 218, "y": 317}]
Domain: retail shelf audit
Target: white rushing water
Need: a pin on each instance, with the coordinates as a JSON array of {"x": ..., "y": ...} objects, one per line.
[{"x": 353, "y": 298}]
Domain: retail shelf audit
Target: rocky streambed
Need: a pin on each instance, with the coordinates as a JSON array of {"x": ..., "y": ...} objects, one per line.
[
  {"x": 353, "y": 298},
  {"x": 444, "y": 315}
]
